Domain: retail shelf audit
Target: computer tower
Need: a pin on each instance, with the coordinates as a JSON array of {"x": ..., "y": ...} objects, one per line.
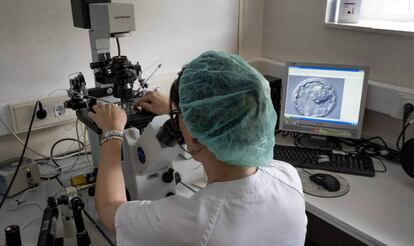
[{"x": 275, "y": 93}]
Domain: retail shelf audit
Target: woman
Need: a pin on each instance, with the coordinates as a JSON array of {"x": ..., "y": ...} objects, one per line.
[{"x": 226, "y": 116}]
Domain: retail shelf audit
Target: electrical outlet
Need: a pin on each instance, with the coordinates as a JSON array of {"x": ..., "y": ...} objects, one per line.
[
  {"x": 21, "y": 114},
  {"x": 59, "y": 110},
  {"x": 399, "y": 111},
  {"x": 349, "y": 11}
]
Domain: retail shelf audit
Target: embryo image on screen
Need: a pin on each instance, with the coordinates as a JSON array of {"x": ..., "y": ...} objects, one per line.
[{"x": 315, "y": 96}]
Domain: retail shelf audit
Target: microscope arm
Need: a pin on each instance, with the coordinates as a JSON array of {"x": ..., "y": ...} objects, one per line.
[
  {"x": 47, "y": 234},
  {"x": 82, "y": 236}
]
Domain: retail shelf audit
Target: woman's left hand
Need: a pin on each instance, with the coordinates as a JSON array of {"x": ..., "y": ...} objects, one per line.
[{"x": 109, "y": 117}]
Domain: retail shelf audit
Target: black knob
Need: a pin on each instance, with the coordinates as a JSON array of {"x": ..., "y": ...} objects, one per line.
[
  {"x": 91, "y": 191},
  {"x": 100, "y": 64},
  {"x": 83, "y": 238},
  {"x": 177, "y": 178},
  {"x": 13, "y": 235},
  {"x": 168, "y": 176}
]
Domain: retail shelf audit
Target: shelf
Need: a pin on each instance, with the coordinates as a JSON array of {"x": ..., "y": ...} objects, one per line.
[{"x": 386, "y": 27}]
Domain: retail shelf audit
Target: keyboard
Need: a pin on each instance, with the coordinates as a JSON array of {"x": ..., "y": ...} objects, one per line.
[{"x": 325, "y": 160}]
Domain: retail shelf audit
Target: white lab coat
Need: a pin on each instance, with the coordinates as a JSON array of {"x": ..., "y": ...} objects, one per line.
[{"x": 266, "y": 208}]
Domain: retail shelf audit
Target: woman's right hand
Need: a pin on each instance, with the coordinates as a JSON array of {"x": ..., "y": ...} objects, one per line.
[{"x": 154, "y": 102}]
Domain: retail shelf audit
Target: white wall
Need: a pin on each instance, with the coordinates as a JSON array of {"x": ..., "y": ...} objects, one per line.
[
  {"x": 39, "y": 46},
  {"x": 251, "y": 27},
  {"x": 294, "y": 31}
]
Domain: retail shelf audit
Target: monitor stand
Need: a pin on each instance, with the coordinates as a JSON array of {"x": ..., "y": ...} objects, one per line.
[{"x": 316, "y": 142}]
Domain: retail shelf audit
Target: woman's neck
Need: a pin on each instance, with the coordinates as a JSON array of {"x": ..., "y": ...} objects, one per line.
[
  {"x": 219, "y": 171},
  {"x": 230, "y": 175}
]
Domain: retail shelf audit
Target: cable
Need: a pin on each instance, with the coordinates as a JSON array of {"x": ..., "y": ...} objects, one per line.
[
  {"x": 366, "y": 146},
  {"x": 182, "y": 147},
  {"x": 383, "y": 164},
  {"x": 59, "y": 141},
  {"x": 376, "y": 137},
  {"x": 55, "y": 90},
  {"x": 96, "y": 98},
  {"x": 104, "y": 234},
  {"x": 188, "y": 187},
  {"x": 66, "y": 155},
  {"x": 306, "y": 171},
  {"x": 86, "y": 152},
  {"x": 402, "y": 133},
  {"x": 60, "y": 168},
  {"x": 21, "y": 156},
  {"x": 155, "y": 70},
  {"x": 83, "y": 130},
  {"x": 27, "y": 191},
  {"x": 78, "y": 137},
  {"x": 56, "y": 171},
  {"x": 119, "y": 47},
  {"x": 80, "y": 147},
  {"x": 55, "y": 175},
  {"x": 298, "y": 142},
  {"x": 21, "y": 202},
  {"x": 29, "y": 222},
  {"x": 159, "y": 61},
  {"x": 20, "y": 140}
]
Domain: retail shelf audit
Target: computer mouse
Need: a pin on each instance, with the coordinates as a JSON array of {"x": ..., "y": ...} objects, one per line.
[{"x": 327, "y": 181}]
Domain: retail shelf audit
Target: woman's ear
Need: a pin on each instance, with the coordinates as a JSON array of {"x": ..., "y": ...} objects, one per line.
[
  {"x": 193, "y": 145},
  {"x": 196, "y": 142}
]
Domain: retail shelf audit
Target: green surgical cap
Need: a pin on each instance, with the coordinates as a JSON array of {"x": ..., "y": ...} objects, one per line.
[{"x": 226, "y": 105}]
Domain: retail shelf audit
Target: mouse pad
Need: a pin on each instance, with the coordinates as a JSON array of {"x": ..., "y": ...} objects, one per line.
[{"x": 313, "y": 189}]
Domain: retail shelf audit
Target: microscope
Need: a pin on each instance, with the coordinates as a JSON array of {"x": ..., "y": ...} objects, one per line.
[
  {"x": 71, "y": 206},
  {"x": 150, "y": 146}
]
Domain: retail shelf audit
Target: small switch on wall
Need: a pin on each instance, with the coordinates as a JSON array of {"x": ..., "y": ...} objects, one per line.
[{"x": 349, "y": 11}]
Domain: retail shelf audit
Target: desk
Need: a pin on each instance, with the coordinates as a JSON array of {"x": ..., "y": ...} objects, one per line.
[
  {"x": 26, "y": 213},
  {"x": 376, "y": 211}
]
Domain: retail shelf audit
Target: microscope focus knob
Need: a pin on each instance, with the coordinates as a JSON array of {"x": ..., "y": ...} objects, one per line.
[
  {"x": 177, "y": 178},
  {"x": 168, "y": 176},
  {"x": 13, "y": 235},
  {"x": 91, "y": 191}
]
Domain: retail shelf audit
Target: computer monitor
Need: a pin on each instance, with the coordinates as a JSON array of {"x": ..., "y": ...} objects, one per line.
[{"x": 324, "y": 100}]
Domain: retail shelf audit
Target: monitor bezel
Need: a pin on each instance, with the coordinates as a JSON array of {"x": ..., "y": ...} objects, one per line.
[{"x": 358, "y": 128}]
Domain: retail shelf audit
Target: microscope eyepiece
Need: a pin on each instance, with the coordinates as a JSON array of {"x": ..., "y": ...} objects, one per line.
[{"x": 168, "y": 135}]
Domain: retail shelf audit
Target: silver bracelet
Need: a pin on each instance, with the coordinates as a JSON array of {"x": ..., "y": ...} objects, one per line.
[{"x": 112, "y": 134}]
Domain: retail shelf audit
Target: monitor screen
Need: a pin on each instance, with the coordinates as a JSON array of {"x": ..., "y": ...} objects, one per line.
[{"x": 323, "y": 99}]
